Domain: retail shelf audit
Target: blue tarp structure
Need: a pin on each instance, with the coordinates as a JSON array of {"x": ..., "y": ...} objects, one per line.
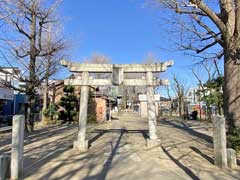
[{"x": 15, "y": 106}]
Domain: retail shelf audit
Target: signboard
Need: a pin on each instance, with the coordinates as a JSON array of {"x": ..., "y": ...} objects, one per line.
[
  {"x": 117, "y": 75},
  {"x": 6, "y": 94},
  {"x": 143, "y": 97}
]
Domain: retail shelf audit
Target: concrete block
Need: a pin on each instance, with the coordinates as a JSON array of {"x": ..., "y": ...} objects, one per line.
[
  {"x": 81, "y": 146},
  {"x": 231, "y": 158},
  {"x": 4, "y": 167}
]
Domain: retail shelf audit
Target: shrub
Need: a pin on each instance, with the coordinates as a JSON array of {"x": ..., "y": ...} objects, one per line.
[
  {"x": 233, "y": 140},
  {"x": 51, "y": 111}
]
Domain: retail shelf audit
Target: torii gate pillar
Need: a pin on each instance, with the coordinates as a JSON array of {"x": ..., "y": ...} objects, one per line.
[
  {"x": 152, "y": 117},
  {"x": 82, "y": 144}
]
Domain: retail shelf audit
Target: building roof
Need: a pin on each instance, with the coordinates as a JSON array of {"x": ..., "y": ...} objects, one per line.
[
  {"x": 164, "y": 99},
  {"x": 101, "y": 95},
  {"x": 6, "y": 70}
]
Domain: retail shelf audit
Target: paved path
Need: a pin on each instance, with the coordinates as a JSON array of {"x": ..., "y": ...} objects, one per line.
[
  {"x": 118, "y": 152},
  {"x": 5, "y": 129}
]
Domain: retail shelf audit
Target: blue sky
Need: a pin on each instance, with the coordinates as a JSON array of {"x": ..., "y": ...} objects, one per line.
[{"x": 126, "y": 31}]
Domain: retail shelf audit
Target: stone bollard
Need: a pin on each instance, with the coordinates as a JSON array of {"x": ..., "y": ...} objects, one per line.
[
  {"x": 219, "y": 141},
  {"x": 4, "y": 167},
  {"x": 17, "y": 147},
  {"x": 231, "y": 158}
]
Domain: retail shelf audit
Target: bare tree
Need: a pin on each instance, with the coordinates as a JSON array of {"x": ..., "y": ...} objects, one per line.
[
  {"x": 167, "y": 88},
  {"x": 51, "y": 66},
  {"x": 209, "y": 90},
  {"x": 180, "y": 89},
  {"x": 202, "y": 89},
  {"x": 215, "y": 23},
  {"x": 98, "y": 58},
  {"x": 29, "y": 20}
]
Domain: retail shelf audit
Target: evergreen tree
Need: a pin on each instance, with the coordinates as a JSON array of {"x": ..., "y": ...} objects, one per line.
[{"x": 69, "y": 103}]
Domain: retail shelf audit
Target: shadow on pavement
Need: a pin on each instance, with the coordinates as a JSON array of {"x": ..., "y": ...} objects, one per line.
[
  {"x": 37, "y": 135},
  {"x": 179, "y": 164},
  {"x": 202, "y": 154},
  {"x": 88, "y": 159},
  {"x": 185, "y": 128},
  {"x": 108, "y": 163},
  {"x": 104, "y": 131},
  {"x": 96, "y": 137},
  {"x": 38, "y": 156},
  {"x": 54, "y": 149},
  {"x": 114, "y": 118}
]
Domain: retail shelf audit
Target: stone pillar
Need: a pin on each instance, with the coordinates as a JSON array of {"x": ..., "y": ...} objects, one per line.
[
  {"x": 152, "y": 118},
  {"x": 4, "y": 167},
  {"x": 110, "y": 107},
  {"x": 231, "y": 158},
  {"x": 82, "y": 144},
  {"x": 219, "y": 141},
  {"x": 17, "y": 147}
]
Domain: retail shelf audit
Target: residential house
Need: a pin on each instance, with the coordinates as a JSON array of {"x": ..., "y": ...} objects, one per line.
[
  {"x": 12, "y": 101},
  {"x": 193, "y": 102}
]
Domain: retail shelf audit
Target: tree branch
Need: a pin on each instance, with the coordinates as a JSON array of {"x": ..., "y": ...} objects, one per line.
[
  {"x": 206, "y": 47},
  {"x": 209, "y": 30},
  {"x": 183, "y": 11},
  {"x": 20, "y": 30},
  {"x": 211, "y": 14},
  {"x": 199, "y": 80}
]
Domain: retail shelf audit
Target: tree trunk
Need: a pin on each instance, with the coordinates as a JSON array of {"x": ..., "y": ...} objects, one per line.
[
  {"x": 209, "y": 112},
  {"x": 45, "y": 95},
  {"x": 32, "y": 74},
  {"x": 181, "y": 104},
  {"x": 180, "y": 108},
  {"x": 45, "y": 100},
  {"x": 54, "y": 93},
  {"x": 171, "y": 109},
  {"x": 232, "y": 90}
]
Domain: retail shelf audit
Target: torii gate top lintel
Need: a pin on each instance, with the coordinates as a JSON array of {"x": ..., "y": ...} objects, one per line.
[
  {"x": 117, "y": 71},
  {"x": 107, "y": 68}
]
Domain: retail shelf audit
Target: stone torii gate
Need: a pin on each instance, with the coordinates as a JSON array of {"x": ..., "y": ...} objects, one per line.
[{"x": 117, "y": 71}]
